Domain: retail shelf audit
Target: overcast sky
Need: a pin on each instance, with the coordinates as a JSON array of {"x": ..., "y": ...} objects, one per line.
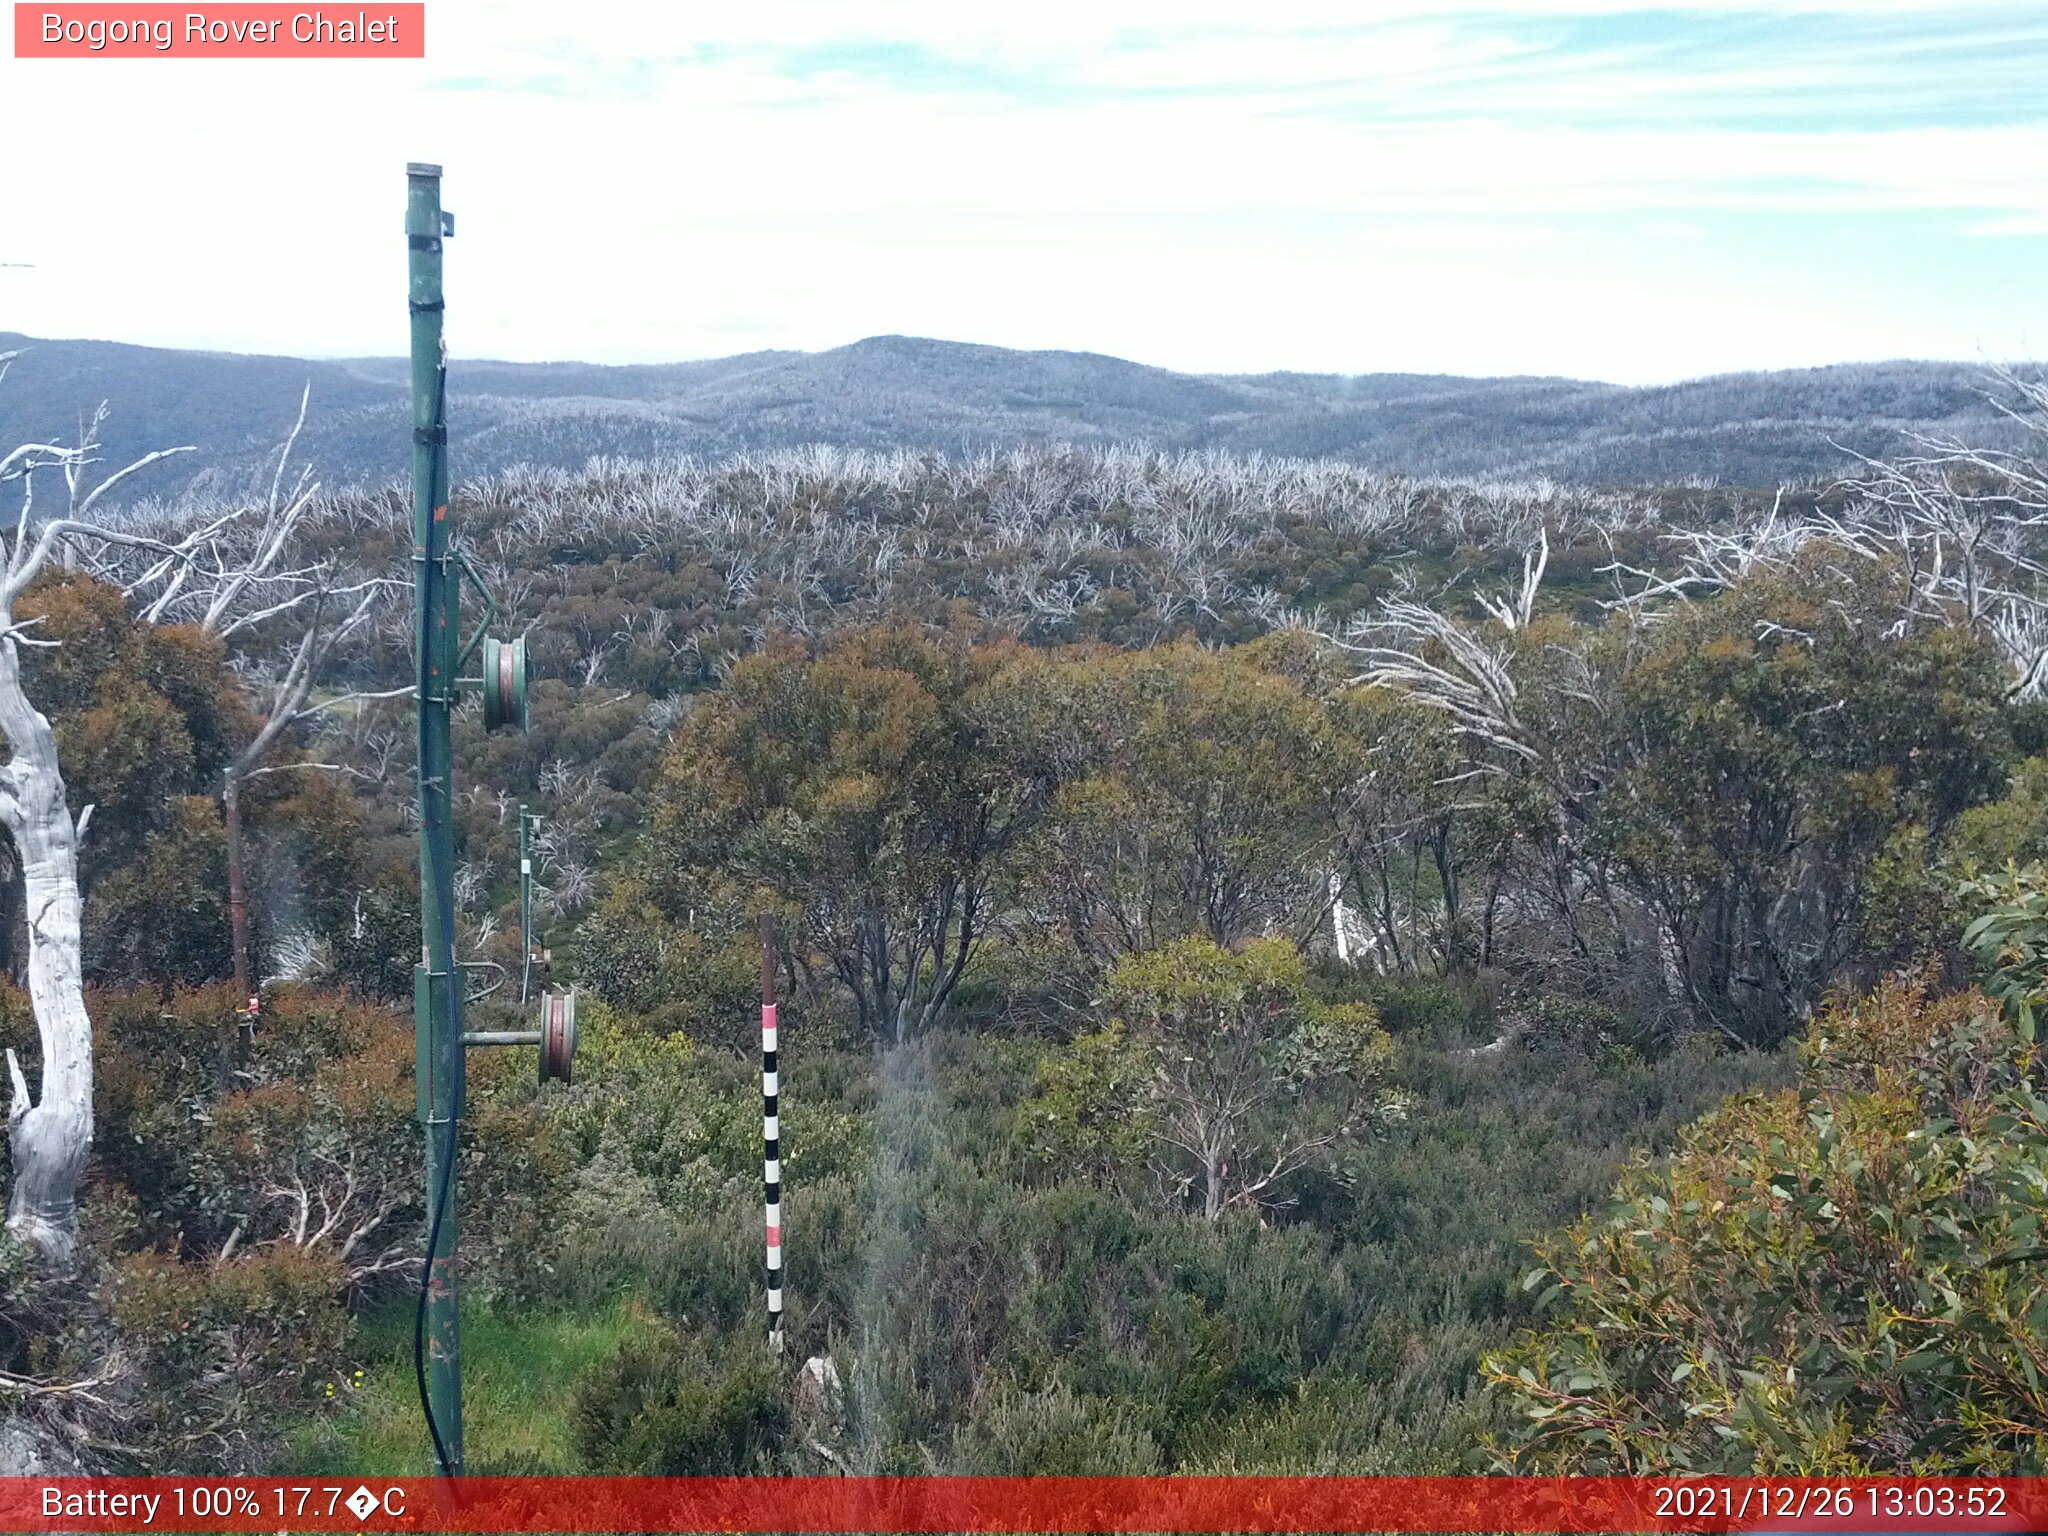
[{"x": 1630, "y": 191}]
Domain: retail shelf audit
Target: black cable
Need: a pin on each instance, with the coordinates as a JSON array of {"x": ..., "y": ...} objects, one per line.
[
  {"x": 419, "y": 1321},
  {"x": 447, "y": 1179}
]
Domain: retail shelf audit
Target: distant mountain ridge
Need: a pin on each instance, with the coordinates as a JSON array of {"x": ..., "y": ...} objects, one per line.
[{"x": 890, "y": 392}]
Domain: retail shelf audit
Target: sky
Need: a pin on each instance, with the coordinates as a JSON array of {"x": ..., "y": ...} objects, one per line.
[{"x": 1618, "y": 189}]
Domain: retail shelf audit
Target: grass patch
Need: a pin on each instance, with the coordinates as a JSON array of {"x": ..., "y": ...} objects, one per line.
[{"x": 517, "y": 1375}]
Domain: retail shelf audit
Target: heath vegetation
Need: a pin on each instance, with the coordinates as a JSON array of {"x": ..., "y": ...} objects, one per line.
[{"x": 1285, "y": 969}]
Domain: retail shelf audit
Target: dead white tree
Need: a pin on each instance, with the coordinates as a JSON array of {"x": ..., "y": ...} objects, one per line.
[
  {"x": 50, "y": 1132},
  {"x": 1520, "y": 709},
  {"x": 227, "y": 574},
  {"x": 1517, "y": 609},
  {"x": 1449, "y": 666}
]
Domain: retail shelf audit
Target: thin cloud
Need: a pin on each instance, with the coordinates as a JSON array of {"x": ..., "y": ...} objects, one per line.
[{"x": 1326, "y": 184}]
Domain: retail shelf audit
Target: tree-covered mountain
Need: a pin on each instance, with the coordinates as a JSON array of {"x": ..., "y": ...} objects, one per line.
[{"x": 889, "y": 392}]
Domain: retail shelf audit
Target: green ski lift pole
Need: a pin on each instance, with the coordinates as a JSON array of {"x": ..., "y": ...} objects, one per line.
[{"x": 438, "y": 986}]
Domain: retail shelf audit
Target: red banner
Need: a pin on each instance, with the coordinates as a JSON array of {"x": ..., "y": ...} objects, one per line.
[
  {"x": 1025, "y": 1504},
  {"x": 226, "y": 31}
]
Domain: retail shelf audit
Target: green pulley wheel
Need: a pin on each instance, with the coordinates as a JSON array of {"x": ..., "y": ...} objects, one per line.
[{"x": 504, "y": 683}]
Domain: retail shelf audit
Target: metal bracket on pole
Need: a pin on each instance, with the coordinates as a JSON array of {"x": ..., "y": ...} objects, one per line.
[{"x": 490, "y": 611}]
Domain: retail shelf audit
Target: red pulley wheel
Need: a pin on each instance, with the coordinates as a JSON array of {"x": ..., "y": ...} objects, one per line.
[{"x": 557, "y": 1035}]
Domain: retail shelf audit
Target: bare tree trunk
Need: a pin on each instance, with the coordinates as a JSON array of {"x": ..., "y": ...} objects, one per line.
[
  {"x": 1447, "y": 878},
  {"x": 50, "y": 1135},
  {"x": 49, "y": 1138}
]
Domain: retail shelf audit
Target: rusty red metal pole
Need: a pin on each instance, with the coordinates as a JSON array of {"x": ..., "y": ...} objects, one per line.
[{"x": 238, "y": 891}]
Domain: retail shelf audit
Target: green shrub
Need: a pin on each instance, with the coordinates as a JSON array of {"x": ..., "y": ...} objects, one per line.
[
  {"x": 1348, "y": 1426},
  {"x": 1221, "y": 1071},
  {"x": 1427, "y": 1008},
  {"x": 1839, "y": 1280},
  {"x": 682, "y": 1408},
  {"x": 223, "y": 1353},
  {"x": 1050, "y": 1433}
]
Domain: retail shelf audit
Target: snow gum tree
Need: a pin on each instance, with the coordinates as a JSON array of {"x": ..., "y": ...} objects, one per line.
[
  {"x": 49, "y": 1133},
  {"x": 220, "y": 572}
]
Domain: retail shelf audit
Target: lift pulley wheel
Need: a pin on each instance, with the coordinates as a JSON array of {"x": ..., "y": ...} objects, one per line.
[
  {"x": 557, "y": 1035},
  {"x": 504, "y": 683}
]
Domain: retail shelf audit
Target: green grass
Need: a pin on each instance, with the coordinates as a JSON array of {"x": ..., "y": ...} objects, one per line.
[{"x": 517, "y": 1373}]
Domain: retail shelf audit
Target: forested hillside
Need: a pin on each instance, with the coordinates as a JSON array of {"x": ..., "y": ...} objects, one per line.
[
  {"x": 1241, "y": 918},
  {"x": 896, "y": 392}
]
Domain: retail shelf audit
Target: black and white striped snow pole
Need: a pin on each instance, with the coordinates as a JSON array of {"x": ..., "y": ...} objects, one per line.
[{"x": 771, "y": 1135}]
